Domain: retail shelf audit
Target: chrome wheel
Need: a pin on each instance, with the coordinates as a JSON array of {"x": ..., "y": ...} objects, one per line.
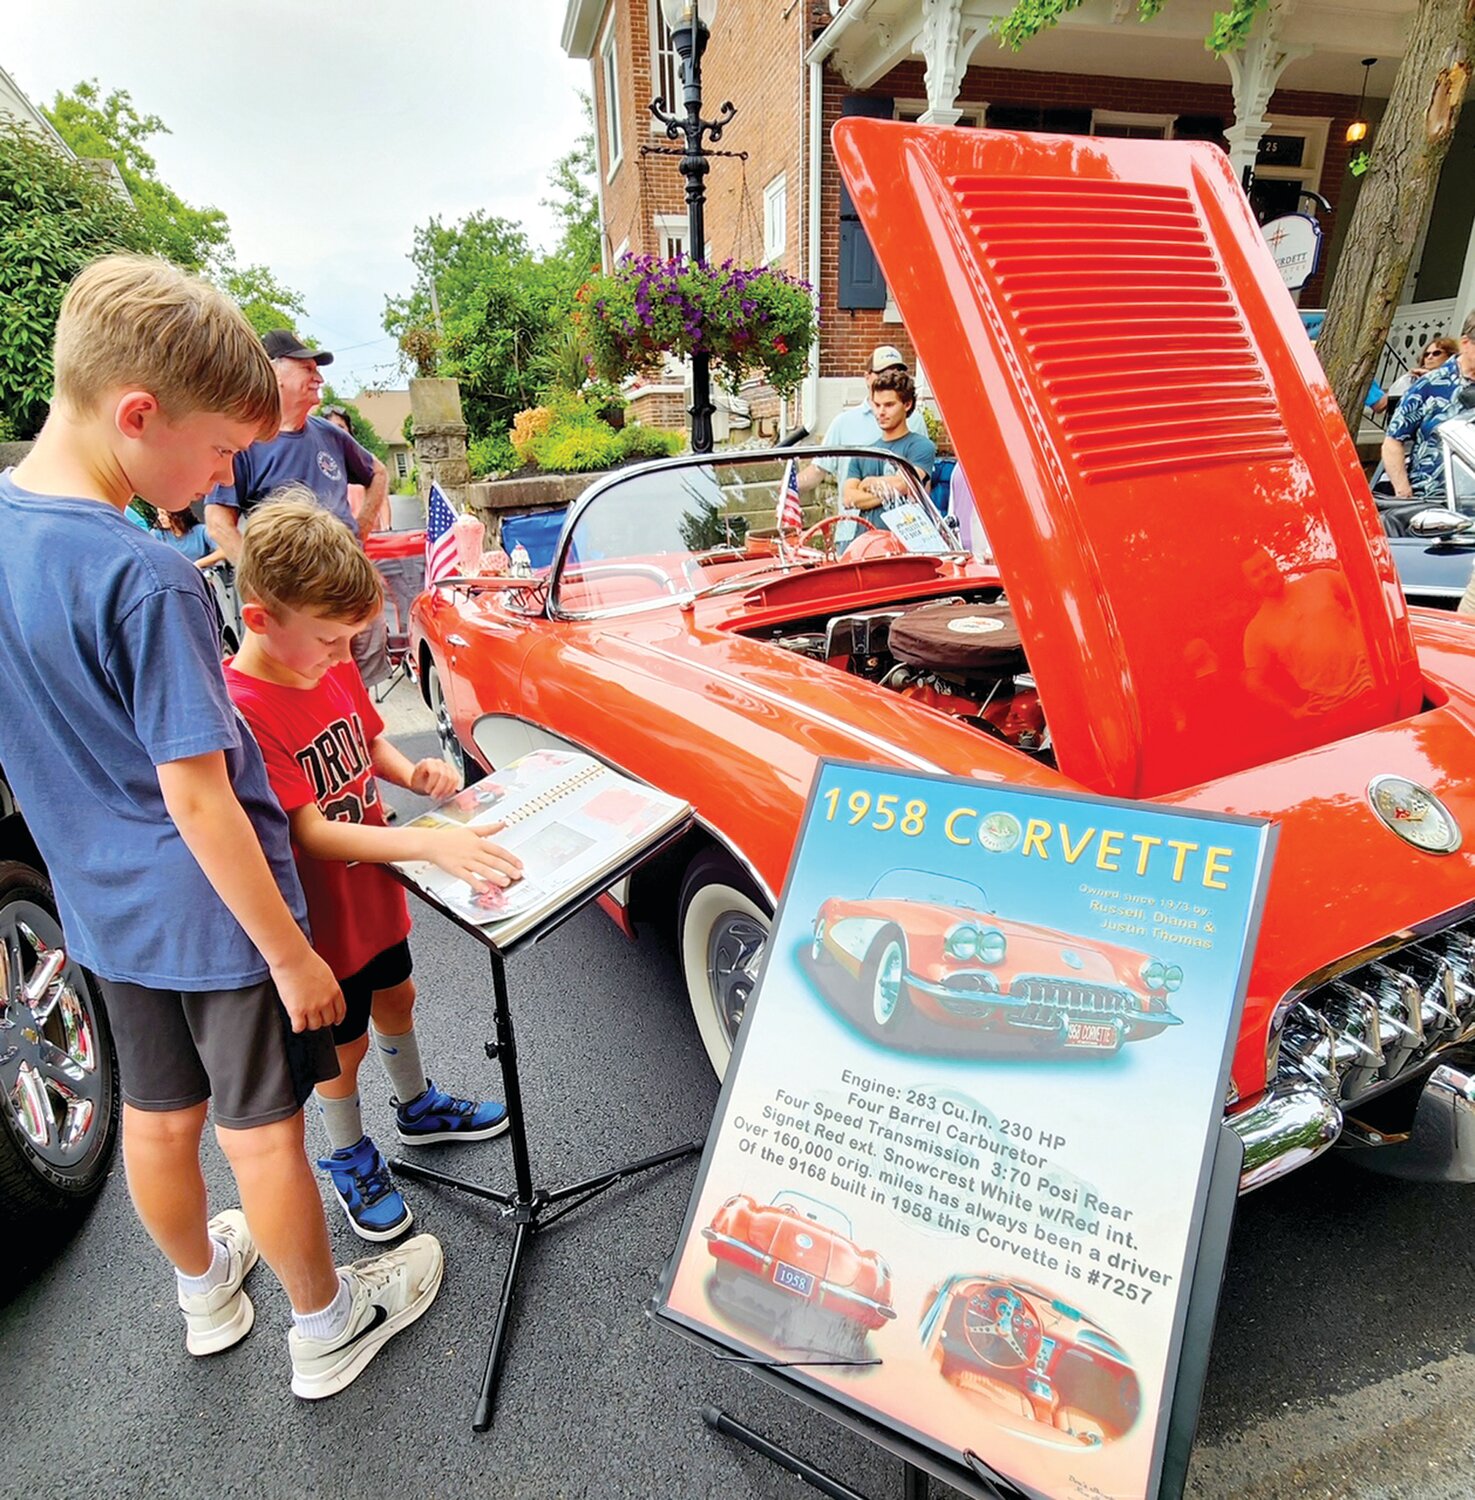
[
  {"x": 57, "y": 1075},
  {"x": 451, "y": 748},
  {"x": 734, "y": 954},
  {"x": 886, "y": 986}
]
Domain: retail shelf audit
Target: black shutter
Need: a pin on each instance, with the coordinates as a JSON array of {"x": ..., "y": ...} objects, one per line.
[{"x": 861, "y": 282}]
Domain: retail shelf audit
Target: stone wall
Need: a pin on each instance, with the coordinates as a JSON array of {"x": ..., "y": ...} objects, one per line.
[{"x": 440, "y": 438}]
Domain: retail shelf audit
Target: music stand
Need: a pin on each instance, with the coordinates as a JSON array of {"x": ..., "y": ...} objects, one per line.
[{"x": 527, "y": 1206}]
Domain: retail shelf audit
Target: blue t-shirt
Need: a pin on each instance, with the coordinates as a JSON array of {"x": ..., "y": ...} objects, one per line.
[
  {"x": 322, "y": 456},
  {"x": 1429, "y": 403},
  {"x": 110, "y": 667},
  {"x": 195, "y": 544},
  {"x": 857, "y": 427},
  {"x": 921, "y": 451}
]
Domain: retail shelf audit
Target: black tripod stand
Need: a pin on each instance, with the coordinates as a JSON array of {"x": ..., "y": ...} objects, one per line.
[{"x": 528, "y": 1207}]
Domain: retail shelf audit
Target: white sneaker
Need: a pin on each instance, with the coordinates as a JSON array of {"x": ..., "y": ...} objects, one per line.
[
  {"x": 388, "y": 1292},
  {"x": 217, "y": 1319}
]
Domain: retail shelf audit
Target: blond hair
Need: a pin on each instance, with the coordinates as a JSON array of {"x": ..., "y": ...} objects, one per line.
[
  {"x": 297, "y": 556},
  {"x": 136, "y": 321}
]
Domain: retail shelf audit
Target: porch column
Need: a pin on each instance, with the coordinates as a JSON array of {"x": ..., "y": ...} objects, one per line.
[
  {"x": 946, "y": 42},
  {"x": 1255, "y": 70},
  {"x": 1466, "y": 294}
]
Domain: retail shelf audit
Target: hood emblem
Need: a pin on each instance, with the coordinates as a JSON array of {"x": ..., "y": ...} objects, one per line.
[
  {"x": 975, "y": 625},
  {"x": 1072, "y": 959},
  {"x": 1414, "y": 813},
  {"x": 803, "y": 1242}
]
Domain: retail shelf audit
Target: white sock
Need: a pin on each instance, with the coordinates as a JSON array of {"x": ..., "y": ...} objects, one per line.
[
  {"x": 219, "y": 1270},
  {"x": 330, "y": 1322}
]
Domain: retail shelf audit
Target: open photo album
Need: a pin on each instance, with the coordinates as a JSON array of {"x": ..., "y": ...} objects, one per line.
[{"x": 568, "y": 817}]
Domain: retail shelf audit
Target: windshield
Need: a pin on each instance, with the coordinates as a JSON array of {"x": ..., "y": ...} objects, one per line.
[
  {"x": 673, "y": 531},
  {"x": 924, "y": 885}
]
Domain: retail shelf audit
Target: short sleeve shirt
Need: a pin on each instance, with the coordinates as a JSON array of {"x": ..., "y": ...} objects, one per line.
[
  {"x": 110, "y": 668},
  {"x": 921, "y": 451},
  {"x": 1429, "y": 402},
  {"x": 317, "y": 742},
  {"x": 857, "y": 427},
  {"x": 322, "y": 456}
]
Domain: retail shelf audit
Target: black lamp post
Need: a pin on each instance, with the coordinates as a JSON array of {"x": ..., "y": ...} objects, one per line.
[{"x": 689, "y": 22}]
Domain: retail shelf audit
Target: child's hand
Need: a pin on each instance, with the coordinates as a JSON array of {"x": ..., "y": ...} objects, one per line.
[
  {"x": 470, "y": 855},
  {"x": 309, "y": 993},
  {"x": 434, "y": 778}
]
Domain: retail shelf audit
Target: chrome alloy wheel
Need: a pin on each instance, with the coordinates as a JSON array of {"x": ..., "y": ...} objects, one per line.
[
  {"x": 52, "y": 1079},
  {"x": 886, "y": 991},
  {"x": 734, "y": 956}
]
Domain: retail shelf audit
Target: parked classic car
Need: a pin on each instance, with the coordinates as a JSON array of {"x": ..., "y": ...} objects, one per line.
[
  {"x": 58, "y": 1074},
  {"x": 1207, "y": 613},
  {"x": 1433, "y": 543},
  {"x": 792, "y": 1270},
  {"x": 1033, "y": 1357},
  {"x": 925, "y": 956}
]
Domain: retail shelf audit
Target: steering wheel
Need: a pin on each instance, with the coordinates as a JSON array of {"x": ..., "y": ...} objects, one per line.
[
  {"x": 1003, "y": 1327},
  {"x": 827, "y": 524}
]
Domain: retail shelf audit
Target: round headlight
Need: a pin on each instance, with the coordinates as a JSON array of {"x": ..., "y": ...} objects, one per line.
[
  {"x": 1172, "y": 977},
  {"x": 961, "y": 942},
  {"x": 991, "y": 945},
  {"x": 1154, "y": 973}
]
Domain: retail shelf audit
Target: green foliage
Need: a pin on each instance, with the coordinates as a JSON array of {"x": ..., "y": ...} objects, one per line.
[
  {"x": 577, "y": 448},
  {"x": 56, "y": 214},
  {"x": 266, "y": 302},
  {"x": 1230, "y": 30},
  {"x": 363, "y": 430},
  {"x": 575, "y": 204},
  {"x": 746, "y": 319},
  {"x": 94, "y": 125},
  {"x": 491, "y": 455},
  {"x": 640, "y": 442}
]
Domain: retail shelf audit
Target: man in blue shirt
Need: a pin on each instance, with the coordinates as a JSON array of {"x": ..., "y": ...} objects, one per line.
[
  {"x": 1431, "y": 401},
  {"x": 856, "y": 426},
  {"x": 893, "y": 399}
]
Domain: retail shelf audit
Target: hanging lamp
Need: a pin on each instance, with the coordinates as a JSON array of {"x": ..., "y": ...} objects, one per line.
[{"x": 1357, "y": 130}]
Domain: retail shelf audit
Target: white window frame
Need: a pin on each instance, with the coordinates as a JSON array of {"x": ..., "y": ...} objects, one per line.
[
  {"x": 401, "y": 463},
  {"x": 609, "y": 73},
  {"x": 671, "y": 229},
  {"x": 665, "y": 67},
  {"x": 1132, "y": 117},
  {"x": 1315, "y": 131},
  {"x": 776, "y": 218}
]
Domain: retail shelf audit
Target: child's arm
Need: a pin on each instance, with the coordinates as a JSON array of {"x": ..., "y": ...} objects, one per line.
[
  {"x": 214, "y": 826},
  {"x": 429, "y": 778},
  {"x": 466, "y": 853}
]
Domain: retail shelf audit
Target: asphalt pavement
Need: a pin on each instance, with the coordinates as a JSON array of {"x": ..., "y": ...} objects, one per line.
[{"x": 1343, "y": 1366}]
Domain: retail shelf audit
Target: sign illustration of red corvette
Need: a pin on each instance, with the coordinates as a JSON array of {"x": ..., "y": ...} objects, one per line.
[{"x": 956, "y": 1178}]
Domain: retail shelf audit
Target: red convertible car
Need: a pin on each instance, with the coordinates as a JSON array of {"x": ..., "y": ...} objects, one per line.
[
  {"x": 792, "y": 1270},
  {"x": 1032, "y": 1357},
  {"x": 925, "y": 948},
  {"x": 1204, "y": 605}
]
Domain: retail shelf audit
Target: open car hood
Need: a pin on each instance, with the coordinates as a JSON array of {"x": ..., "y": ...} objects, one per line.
[{"x": 1169, "y": 489}]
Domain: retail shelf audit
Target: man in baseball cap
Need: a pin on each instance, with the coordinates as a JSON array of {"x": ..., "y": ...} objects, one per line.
[
  {"x": 310, "y": 451},
  {"x": 856, "y": 426}
]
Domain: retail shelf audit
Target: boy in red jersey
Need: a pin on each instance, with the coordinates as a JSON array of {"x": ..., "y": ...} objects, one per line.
[{"x": 306, "y": 588}]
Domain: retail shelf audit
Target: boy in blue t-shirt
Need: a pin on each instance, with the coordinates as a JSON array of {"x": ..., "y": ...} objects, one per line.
[{"x": 146, "y": 799}]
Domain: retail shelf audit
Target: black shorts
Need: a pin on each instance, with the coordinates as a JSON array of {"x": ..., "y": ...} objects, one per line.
[
  {"x": 177, "y": 1048},
  {"x": 390, "y": 968}
]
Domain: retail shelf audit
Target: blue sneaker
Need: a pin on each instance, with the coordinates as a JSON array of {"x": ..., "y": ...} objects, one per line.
[
  {"x": 436, "y": 1116},
  {"x": 367, "y": 1192}
]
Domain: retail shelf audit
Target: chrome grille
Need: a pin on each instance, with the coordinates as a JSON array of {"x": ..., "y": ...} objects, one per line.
[
  {"x": 1367, "y": 1029},
  {"x": 1078, "y": 999}
]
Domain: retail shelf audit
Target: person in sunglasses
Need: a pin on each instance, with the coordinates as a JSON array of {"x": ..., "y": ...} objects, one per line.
[
  {"x": 1434, "y": 354},
  {"x": 1411, "y": 450}
]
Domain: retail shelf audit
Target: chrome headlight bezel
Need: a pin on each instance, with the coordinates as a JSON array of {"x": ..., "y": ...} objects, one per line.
[
  {"x": 961, "y": 941},
  {"x": 1153, "y": 973},
  {"x": 992, "y": 945},
  {"x": 1172, "y": 977}
]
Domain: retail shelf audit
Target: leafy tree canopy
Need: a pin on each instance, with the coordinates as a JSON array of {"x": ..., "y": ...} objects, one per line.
[
  {"x": 1230, "y": 30},
  {"x": 56, "y": 214},
  {"x": 266, "y": 302},
  {"x": 94, "y": 124}
]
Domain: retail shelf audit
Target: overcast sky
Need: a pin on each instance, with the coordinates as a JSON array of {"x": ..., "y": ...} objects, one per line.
[{"x": 327, "y": 132}]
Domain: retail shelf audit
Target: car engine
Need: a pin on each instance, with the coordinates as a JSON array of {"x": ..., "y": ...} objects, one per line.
[{"x": 958, "y": 655}]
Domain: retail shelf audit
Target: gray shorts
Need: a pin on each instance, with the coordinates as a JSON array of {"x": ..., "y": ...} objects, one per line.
[
  {"x": 370, "y": 649},
  {"x": 177, "y": 1048}
]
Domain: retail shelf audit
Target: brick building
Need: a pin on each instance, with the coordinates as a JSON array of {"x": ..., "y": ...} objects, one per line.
[{"x": 793, "y": 67}]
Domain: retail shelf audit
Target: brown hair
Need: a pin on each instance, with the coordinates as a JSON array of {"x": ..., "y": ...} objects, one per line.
[
  {"x": 297, "y": 556},
  {"x": 1446, "y": 346},
  {"x": 897, "y": 380},
  {"x": 136, "y": 321}
]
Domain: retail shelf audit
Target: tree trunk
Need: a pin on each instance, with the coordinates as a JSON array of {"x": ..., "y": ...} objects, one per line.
[{"x": 1411, "y": 143}]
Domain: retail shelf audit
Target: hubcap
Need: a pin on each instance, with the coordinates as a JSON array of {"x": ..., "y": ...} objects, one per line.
[
  {"x": 734, "y": 954},
  {"x": 49, "y": 1054},
  {"x": 888, "y": 984},
  {"x": 450, "y": 746}
]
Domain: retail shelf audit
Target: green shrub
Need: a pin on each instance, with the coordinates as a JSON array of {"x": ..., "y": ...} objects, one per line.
[
  {"x": 648, "y": 442},
  {"x": 492, "y": 454},
  {"x": 575, "y": 447}
]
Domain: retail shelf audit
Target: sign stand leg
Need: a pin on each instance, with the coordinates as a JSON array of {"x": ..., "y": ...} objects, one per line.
[{"x": 528, "y": 1206}]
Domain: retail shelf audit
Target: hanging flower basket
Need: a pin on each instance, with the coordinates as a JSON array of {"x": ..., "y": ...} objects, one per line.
[{"x": 748, "y": 320}]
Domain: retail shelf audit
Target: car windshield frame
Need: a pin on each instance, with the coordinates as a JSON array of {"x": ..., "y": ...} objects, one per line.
[
  {"x": 941, "y": 886},
  {"x": 688, "y": 578}
]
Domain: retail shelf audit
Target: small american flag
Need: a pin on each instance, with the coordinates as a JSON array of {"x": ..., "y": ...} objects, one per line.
[
  {"x": 790, "y": 509},
  {"x": 440, "y": 540}
]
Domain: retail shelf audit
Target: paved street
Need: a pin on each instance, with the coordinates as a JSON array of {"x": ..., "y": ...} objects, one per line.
[{"x": 1344, "y": 1363}]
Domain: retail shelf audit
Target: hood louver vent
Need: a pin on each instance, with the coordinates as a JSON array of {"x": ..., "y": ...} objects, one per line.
[{"x": 1122, "y": 306}]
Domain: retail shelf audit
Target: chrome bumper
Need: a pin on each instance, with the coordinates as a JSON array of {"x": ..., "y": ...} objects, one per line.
[{"x": 1287, "y": 1126}]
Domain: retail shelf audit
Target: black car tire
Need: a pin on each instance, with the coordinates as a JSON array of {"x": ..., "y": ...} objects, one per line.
[
  {"x": 471, "y": 770},
  {"x": 722, "y": 927},
  {"x": 42, "y": 1181}
]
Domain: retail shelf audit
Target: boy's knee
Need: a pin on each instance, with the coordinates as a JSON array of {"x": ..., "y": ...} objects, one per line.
[
  {"x": 172, "y": 1128},
  {"x": 256, "y": 1143}
]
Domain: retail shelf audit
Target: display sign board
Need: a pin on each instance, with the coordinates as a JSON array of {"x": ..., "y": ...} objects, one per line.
[
  {"x": 957, "y": 1175},
  {"x": 1295, "y": 242}
]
